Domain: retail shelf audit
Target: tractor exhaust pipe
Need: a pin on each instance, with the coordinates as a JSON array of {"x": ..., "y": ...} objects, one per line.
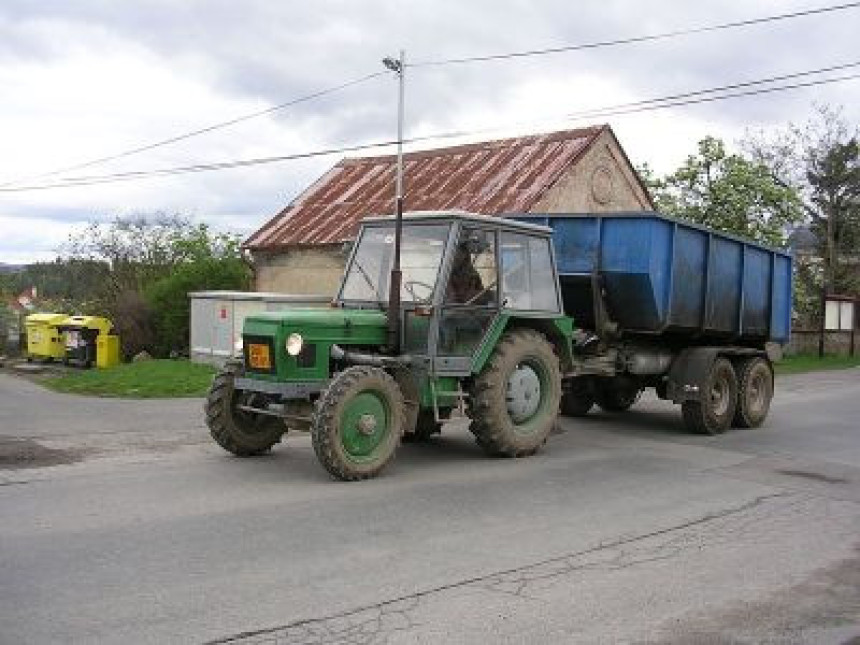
[{"x": 398, "y": 67}]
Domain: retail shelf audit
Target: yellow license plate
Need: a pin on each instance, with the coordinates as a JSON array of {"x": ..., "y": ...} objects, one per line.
[{"x": 259, "y": 357}]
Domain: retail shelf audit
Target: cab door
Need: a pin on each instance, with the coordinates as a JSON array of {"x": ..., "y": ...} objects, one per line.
[{"x": 470, "y": 301}]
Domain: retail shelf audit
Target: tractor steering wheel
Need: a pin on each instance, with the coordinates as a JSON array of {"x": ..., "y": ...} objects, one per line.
[{"x": 410, "y": 285}]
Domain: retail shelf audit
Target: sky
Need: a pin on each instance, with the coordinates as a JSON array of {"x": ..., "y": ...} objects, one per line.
[{"x": 85, "y": 79}]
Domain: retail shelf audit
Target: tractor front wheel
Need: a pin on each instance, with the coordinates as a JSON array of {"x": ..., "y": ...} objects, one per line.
[
  {"x": 240, "y": 432},
  {"x": 358, "y": 423},
  {"x": 514, "y": 400}
]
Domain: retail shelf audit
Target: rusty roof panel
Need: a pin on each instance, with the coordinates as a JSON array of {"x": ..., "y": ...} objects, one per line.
[{"x": 492, "y": 177}]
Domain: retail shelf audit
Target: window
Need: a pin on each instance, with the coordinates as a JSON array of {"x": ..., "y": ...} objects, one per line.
[
  {"x": 421, "y": 253},
  {"x": 528, "y": 281},
  {"x": 473, "y": 278}
]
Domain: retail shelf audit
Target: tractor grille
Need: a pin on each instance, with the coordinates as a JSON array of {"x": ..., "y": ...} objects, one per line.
[{"x": 308, "y": 356}]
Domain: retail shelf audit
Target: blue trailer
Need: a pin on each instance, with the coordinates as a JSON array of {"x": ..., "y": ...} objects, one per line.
[
  {"x": 666, "y": 277},
  {"x": 695, "y": 313}
]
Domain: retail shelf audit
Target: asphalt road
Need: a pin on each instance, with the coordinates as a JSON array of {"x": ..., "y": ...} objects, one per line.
[{"x": 120, "y": 523}]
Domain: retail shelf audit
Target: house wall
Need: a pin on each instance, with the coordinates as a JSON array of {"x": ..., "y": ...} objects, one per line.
[
  {"x": 602, "y": 181},
  {"x": 301, "y": 271}
]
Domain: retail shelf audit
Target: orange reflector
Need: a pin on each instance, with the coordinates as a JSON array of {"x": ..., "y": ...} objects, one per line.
[{"x": 259, "y": 357}]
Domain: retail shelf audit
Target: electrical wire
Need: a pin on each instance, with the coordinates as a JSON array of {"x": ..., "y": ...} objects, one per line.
[
  {"x": 204, "y": 130},
  {"x": 615, "y": 110},
  {"x": 635, "y": 39}
]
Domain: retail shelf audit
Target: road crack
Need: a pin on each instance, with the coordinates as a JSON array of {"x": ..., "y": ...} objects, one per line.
[{"x": 377, "y": 622}]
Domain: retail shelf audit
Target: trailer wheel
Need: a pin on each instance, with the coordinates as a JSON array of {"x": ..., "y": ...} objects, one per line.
[
  {"x": 713, "y": 412},
  {"x": 617, "y": 395},
  {"x": 514, "y": 401},
  {"x": 425, "y": 427},
  {"x": 577, "y": 398},
  {"x": 358, "y": 423},
  {"x": 244, "y": 434},
  {"x": 755, "y": 391}
]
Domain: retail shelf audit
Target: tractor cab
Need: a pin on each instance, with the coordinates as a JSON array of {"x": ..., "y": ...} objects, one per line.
[
  {"x": 461, "y": 273},
  {"x": 479, "y": 329}
]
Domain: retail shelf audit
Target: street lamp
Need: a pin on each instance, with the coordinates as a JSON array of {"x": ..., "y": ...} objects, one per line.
[{"x": 398, "y": 67}]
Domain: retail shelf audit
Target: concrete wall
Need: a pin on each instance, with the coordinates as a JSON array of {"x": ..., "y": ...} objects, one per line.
[
  {"x": 316, "y": 270},
  {"x": 835, "y": 342},
  {"x": 602, "y": 181}
]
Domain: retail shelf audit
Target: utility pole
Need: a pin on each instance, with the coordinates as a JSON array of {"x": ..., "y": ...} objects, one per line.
[{"x": 397, "y": 66}]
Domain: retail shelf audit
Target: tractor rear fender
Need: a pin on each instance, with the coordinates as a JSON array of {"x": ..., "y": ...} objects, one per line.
[
  {"x": 558, "y": 330},
  {"x": 692, "y": 366}
]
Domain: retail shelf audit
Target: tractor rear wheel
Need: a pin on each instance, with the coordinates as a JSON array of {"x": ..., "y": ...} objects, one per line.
[
  {"x": 755, "y": 391},
  {"x": 713, "y": 412},
  {"x": 242, "y": 433},
  {"x": 358, "y": 423},
  {"x": 514, "y": 401}
]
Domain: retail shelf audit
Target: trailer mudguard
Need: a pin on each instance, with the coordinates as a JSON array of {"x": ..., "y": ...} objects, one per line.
[{"x": 691, "y": 367}]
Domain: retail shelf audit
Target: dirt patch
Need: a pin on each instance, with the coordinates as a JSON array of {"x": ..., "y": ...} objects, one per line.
[
  {"x": 824, "y": 608},
  {"x": 18, "y": 454}
]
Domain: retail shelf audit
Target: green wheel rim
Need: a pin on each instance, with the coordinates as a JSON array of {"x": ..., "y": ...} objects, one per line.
[
  {"x": 528, "y": 426},
  {"x": 365, "y": 424}
]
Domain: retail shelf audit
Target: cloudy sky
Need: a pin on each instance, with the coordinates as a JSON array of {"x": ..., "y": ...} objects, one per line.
[{"x": 84, "y": 79}]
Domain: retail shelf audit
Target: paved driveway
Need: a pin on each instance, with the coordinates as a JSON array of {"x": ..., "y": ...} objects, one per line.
[{"x": 625, "y": 529}]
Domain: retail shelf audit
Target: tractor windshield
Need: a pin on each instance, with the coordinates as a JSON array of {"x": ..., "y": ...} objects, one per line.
[{"x": 422, "y": 248}]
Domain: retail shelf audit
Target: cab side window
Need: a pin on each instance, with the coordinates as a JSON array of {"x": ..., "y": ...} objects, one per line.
[{"x": 528, "y": 281}]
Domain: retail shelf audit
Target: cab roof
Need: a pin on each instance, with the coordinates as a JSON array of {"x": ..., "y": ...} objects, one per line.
[{"x": 412, "y": 217}]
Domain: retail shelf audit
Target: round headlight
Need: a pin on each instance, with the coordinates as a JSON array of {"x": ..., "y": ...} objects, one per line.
[{"x": 294, "y": 344}]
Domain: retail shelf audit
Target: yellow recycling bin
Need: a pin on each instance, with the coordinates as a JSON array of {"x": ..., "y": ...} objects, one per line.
[
  {"x": 107, "y": 350},
  {"x": 82, "y": 334},
  {"x": 44, "y": 339}
]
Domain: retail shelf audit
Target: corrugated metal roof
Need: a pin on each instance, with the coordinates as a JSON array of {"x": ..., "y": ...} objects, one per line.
[{"x": 492, "y": 177}]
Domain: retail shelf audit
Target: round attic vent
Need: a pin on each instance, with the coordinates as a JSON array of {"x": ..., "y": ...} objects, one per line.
[{"x": 602, "y": 188}]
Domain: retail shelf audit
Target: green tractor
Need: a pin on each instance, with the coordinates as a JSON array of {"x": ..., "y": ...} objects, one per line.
[{"x": 477, "y": 326}]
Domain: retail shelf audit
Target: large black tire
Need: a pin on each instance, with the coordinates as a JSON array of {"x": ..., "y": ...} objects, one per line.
[
  {"x": 244, "y": 434},
  {"x": 617, "y": 395},
  {"x": 755, "y": 391},
  {"x": 358, "y": 423},
  {"x": 425, "y": 427},
  {"x": 713, "y": 412},
  {"x": 577, "y": 398},
  {"x": 498, "y": 430}
]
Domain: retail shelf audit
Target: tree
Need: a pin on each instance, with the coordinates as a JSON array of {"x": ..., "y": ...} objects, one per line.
[
  {"x": 212, "y": 262},
  {"x": 821, "y": 161},
  {"x": 152, "y": 262},
  {"x": 728, "y": 192}
]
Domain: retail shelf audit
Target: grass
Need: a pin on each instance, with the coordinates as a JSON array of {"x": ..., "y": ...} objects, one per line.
[
  {"x": 143, "y": 380},
  {"x": 811, "y": 363}
]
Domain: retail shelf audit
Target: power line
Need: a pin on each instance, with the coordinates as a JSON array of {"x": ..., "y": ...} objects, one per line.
[
  {"x": 657, "y": 103},
  {"x": 637, "y": 39},
  {"x": 362, "y": 79},
  {"x": 204, "y": 130},
  {"x": 620, "y": 109}
]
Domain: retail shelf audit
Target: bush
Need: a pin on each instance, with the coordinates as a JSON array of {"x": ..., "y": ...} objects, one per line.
[{"x": 168, "y": 301}]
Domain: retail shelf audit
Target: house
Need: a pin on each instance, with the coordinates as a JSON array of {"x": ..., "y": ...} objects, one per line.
[{"x": 303, "y": 248}]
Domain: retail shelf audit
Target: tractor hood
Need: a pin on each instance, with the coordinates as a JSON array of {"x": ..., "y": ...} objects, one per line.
[
  {"x": 348, "y": 326},
  {"x": 265, "y": 336}
]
